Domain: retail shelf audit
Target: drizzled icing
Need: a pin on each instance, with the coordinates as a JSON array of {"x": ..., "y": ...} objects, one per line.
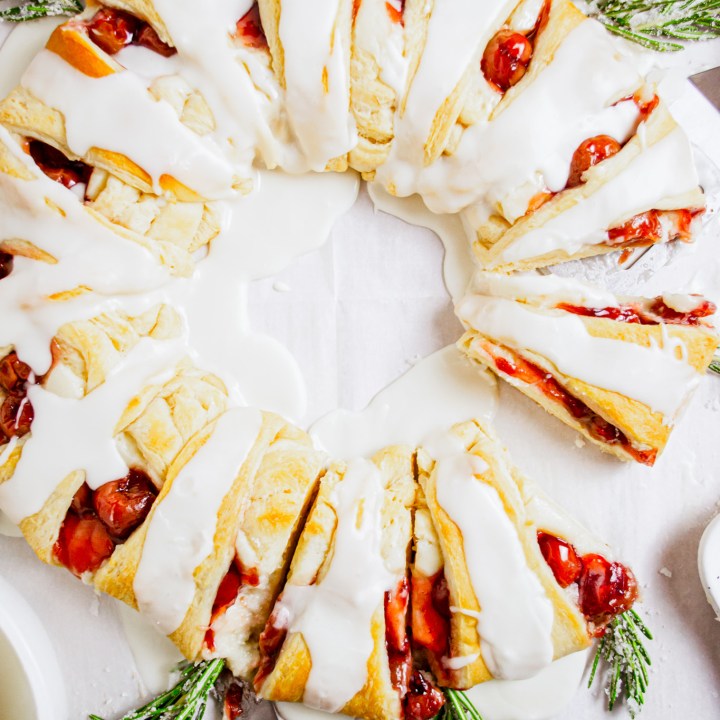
[
  {"x": 317, "y": 82},
  {"x": 518, "y": 159},
  {"x": 88, "y": 255},
  {"x": 78, "y": 434},
  {"x": 335, "y": 614},
  {"x": 515, "y": 621},
  {"x": 117, "y": 113},
  {"x": 456, "y": 32},
  {"x": 181, "y": 530},
  {"x": 652, "y": 375},
  {"x": 643, "y": 185}
]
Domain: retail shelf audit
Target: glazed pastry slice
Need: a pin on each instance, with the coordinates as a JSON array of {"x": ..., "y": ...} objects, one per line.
[
  {"x": 625, "y": 201},
  {"x": 196, "y": 567},
  {"x": 618, "y": 370},
  {"x": 336, "y": 637},
  {"x": 486, "y": 603},
  {"x": 310, "y": 51},
  {"x": 138, "y": 132}
]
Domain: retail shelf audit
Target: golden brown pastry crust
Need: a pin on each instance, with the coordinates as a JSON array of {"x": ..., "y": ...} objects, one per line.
[
  {"x": 569, "y": 632},
  {"x": 378, "y": 700}
]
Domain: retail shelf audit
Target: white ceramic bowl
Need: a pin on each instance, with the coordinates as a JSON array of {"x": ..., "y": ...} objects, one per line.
[
  {"x": 31, "y": 684},
  {"x": 709, "y": 563}
]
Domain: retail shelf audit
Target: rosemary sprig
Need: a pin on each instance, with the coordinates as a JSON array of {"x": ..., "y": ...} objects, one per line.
[
  {"x": 714, "y": 365},
  {"x": 458, "y": 706},
  {"x": 187, "y": 700},
  {"x": 40, "y": 9},
  {"x": 628, "y": 661},
  {"x": 659, "y": 24}
]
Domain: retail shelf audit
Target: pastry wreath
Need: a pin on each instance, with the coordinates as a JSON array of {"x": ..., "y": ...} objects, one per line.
[{"x": 223, "y": 524}]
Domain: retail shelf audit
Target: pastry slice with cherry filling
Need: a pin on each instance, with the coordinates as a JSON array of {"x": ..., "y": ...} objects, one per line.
[
  {"x": 486, "y": 603},
  {"x": 618, "y": 196},
  {"x": 336, "y": 639},
  {"x": 618, "y": 370},
  {"x": 207, "y": 562},
  {"x": 83, "y": 57}
]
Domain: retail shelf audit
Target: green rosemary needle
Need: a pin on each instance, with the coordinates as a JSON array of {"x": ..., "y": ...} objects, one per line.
[
  {"x": 622, "y": 649},
  {"x": 660, "y": 24},
  {"x": 714, "y": 365},
  {"x": 458, "y": 706},
  {"x": 187, "y": 700},
  {"x": 40, "y": 9}
]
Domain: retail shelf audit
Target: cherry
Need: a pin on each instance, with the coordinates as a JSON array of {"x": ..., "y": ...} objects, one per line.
[
  {"x": 703, "y": 309},
  {"x": 123, "y": 504},
  {"x": 423, "y": 700},
  {"x": 645, "y": 226},
  {"x": 249, "y": 29},
  {"x": 589, "y": 153},
  {"x": 83, "y": 544},
  {"x": 16, "y": 416},
  {"x": 83, "y": 500},
  {"x": 430, "y": 612},
  {"x": 148, "y": 38},
  {"x": 14, "y": 373},
  {"x": 561, "y": 557},
  {"x": 606, "y": 588},
  {"x": 396, "y": 605},
  {"x": 506, "y": 59},
  {"x": 112, "y": 30},
  {"x": 57, "y": 166},
  {"x": 6, "y": 264}
]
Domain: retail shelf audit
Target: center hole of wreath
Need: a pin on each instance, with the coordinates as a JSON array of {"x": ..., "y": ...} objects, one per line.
[{"x": 360, "y": 311}]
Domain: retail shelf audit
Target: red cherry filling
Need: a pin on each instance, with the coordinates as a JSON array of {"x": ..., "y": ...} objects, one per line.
[
  {"x": 396, "y": 15},
  {"x": 704, "y": 309},
  {"x": 97, "y": 522},
  {"x": 16, "y": 411},
  {"x": 112, "y": 30},
  {"x": 396, "y": 640},
  {"x": 590, "y": 153},
  {"x": 123, "y": 504},
  {"x": 430, "y": 612},
  {"x": 561, "y": 557},
  {"x": 14, "y": 373},
  {"x": 620, "y": 314},
  {"x": 6, "y": 264},
  {"x": 506, "y": 59},
  {"x": 249, "y": 29},
  {"x": 423, "y": 700},
  {"x": 58, "y": 167},
  {"x": 270, "y": 644},
  {"x": 605, "y": 589},
  {"x": 232, "y": 705}
]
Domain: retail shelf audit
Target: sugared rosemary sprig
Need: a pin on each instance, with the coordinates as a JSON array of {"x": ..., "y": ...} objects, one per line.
[
  {"x": 40, "y": 9},
  {"x": 659, "y": 24},
  {"x": 457, "y": 707},
  {"x": 714, "y": 365},
  {"x": 187, "y": 700},
  {"x": 628, "y": 661}
]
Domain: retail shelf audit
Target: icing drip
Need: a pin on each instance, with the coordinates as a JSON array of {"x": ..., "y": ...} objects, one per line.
[
  {"x": 117, "y": 113},
  {"x": 651, "y": 375},
  {"x": 521, "y": 159},
  {"x": 335, "y": 615},
  {"x": 78, "y": 434},
  {"x": 641, "y": 186},
  {"x": 456, "y": 33},
  {"x": 317, "y": 82},
  {"x": 181, "y": 530},
  {"x": 87, "y": 254},
  {"x": 515, "y": 622}
]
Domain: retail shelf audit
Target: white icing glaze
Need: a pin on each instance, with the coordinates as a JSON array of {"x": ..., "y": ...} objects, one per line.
[
  {"x": 384, "y": 40},
  {"x": 334, "y": 615},
  {"x": 317, "y": 83},
  {"x": 456, "y": 34},
  {"x": 682, "y": 303},
  {"x": 515, "y": 622},
  {"x": 643, "y": 185},
  {"x": 499, "y": 166},
  {"x": 441, "y": 390},
  {"x": 78, "y": 434},
  {"x": 181, "y": 532},
  {"x": 117, "y": 113},
  {"x": 651, "y": 375}
]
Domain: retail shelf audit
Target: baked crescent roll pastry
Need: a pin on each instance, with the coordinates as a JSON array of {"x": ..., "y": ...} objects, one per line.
[
  {"x": 178, "y": 568},
  {"x": 310, "y": 50},
  {"x": 76, "y": 97},
  {"x": 486, "y": 602},
  {"x": 618, "y": 370},
  {"x": 336, "y": 637},
  {"x": 626, "y": 200}
]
